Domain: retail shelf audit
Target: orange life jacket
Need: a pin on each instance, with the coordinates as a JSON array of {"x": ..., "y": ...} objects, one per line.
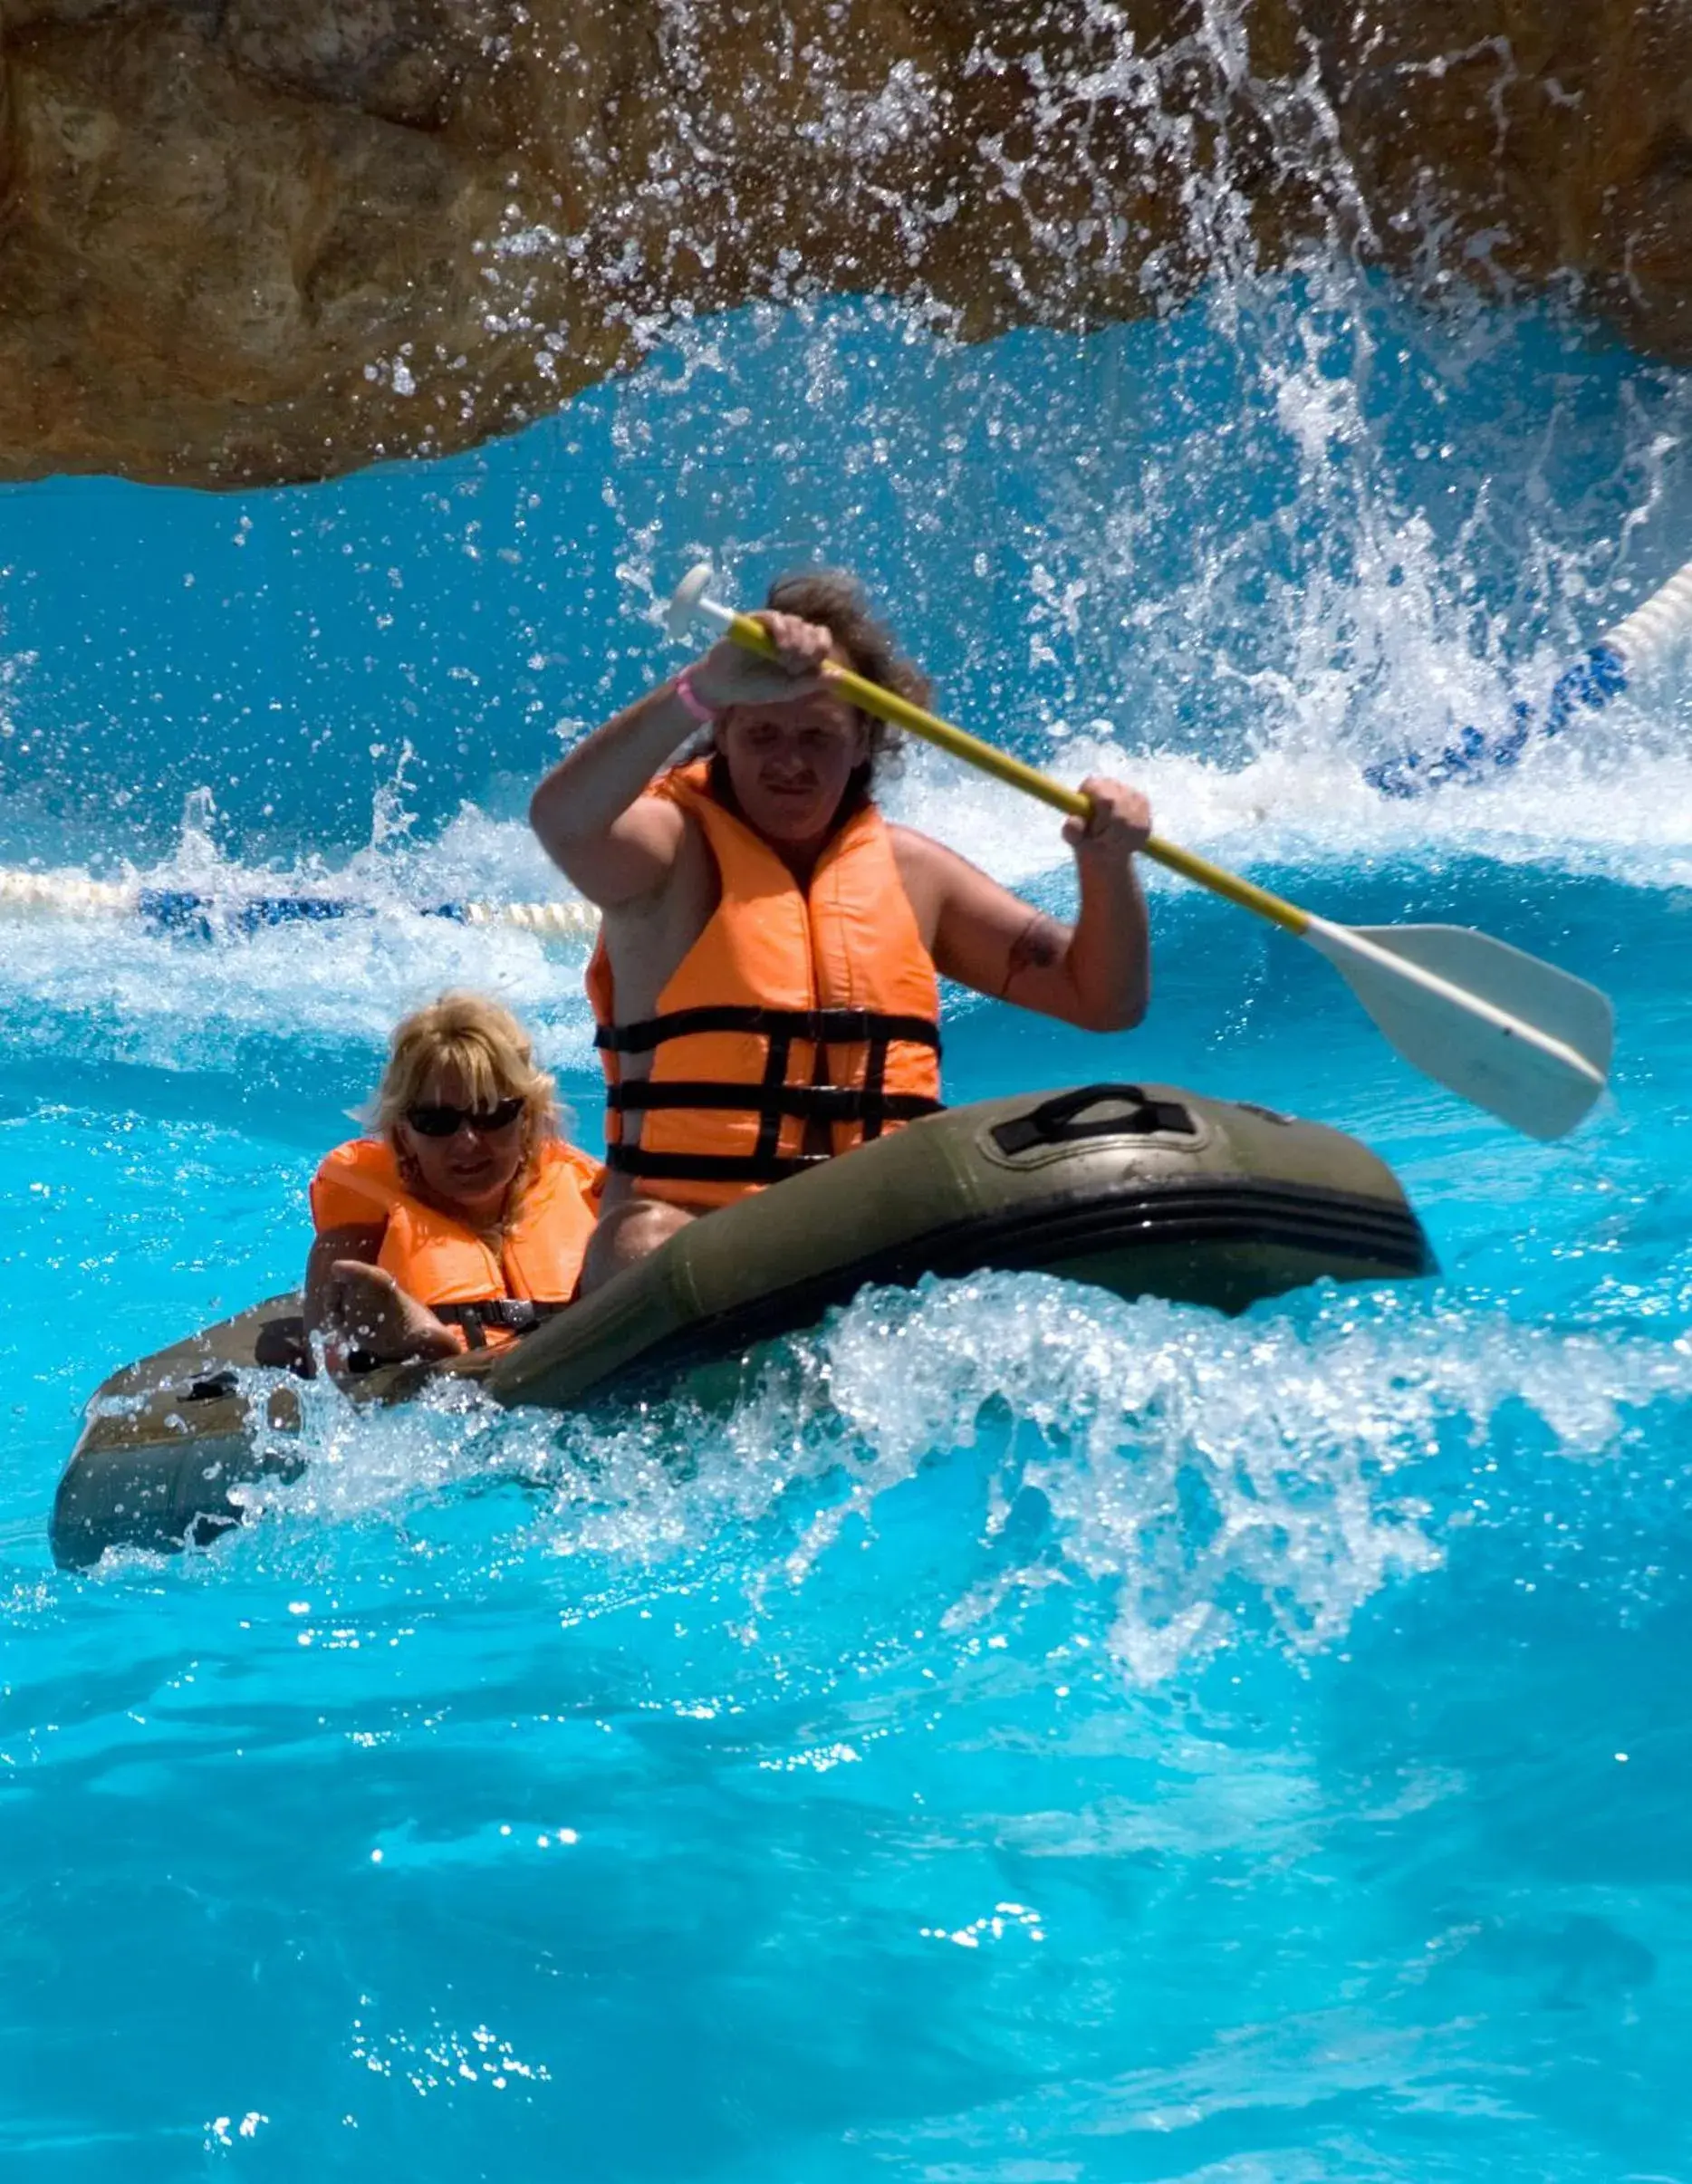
[
  {"x": 795, "y": 1006},
  {"x": 447, "y": 1265}
]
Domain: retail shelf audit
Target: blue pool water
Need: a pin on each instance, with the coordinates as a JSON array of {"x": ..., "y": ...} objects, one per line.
[{"x": 1032, "y": 1737}]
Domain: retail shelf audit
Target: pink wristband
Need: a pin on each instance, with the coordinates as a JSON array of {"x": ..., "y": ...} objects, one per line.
[{"x": 691, "y": 701}]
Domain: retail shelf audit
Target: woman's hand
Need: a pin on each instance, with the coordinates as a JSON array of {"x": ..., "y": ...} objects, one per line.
[
  {"x": 729, "y": 675},
  {"x": 365, "y": 1308},
  {"x": 1119, "y": 823}
]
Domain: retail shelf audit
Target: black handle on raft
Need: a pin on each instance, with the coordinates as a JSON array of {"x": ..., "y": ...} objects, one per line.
[{"x": 1055, "y": 1121}]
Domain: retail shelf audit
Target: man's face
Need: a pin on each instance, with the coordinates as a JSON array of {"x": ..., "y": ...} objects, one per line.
[{"x": 790, "y": 764}]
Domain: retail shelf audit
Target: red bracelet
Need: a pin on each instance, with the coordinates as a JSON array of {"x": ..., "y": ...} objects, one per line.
[{"x": 691, "y": 701}]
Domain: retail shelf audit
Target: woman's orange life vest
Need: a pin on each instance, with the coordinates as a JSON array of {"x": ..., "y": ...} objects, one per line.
[
  {"x": 443, "y": 1262},
  {"x": 795, "y": 1007}
]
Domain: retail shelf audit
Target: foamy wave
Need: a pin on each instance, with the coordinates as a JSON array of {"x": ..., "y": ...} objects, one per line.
[
  {"x": 1184, "y": 1481},
  {"x": 1564, "y": 809}
]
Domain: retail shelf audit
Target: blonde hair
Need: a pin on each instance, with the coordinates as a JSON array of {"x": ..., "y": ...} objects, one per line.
[{"x": 483, "y": 1045}]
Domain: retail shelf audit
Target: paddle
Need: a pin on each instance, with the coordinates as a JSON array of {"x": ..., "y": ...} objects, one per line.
[{"x": 1499, "y": 1028}]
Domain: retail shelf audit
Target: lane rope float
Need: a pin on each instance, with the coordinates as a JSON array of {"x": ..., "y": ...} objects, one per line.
[
  {"x": 1618, "y": 662},
  {"x": 193, "y": 914}
]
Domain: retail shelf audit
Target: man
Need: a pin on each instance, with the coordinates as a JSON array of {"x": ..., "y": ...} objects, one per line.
[{"x": 766, "y": 976}]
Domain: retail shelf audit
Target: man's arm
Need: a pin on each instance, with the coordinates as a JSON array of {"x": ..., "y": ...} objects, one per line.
[
  {"x": 587, "y": 811},
  {"x": 1096, "y": 973}
]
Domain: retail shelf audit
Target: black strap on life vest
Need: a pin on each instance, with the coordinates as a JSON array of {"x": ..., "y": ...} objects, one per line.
[
  {"x": 774, "y": 1099},
  {"x": 516, "y": 1315}
]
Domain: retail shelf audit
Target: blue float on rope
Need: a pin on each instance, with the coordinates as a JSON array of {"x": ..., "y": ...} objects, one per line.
[
  {"x": 1587, "y": 684},
  {"x": 180, "y": 911},
  {"x": 1614, "y": 664}
]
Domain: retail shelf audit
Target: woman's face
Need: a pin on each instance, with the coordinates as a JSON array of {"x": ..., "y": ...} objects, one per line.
[{"x": 473, "y": 1169}]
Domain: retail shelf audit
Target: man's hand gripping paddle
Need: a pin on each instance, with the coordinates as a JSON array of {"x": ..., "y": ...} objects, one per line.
[{"x": 1499, "y": 1028}]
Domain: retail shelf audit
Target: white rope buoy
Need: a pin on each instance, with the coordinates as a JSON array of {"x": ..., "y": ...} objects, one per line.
[
  {"x": 1662, "y": 620},
  {"x": 62, "y": 895},
  {"x": 188, "y": 912},
  {"x": 557, "y": 920}
]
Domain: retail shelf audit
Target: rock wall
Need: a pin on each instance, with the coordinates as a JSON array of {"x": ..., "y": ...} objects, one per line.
[{"x": 263, "y": 240}]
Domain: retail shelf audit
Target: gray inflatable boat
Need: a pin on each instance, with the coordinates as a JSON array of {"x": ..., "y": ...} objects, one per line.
[{"x": 1144, "y": 1191}]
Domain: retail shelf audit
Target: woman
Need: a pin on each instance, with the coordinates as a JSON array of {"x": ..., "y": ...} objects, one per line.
[{"x": 463, "y": 1220}]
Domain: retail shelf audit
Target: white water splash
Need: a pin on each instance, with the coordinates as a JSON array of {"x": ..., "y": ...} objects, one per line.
[{"x": 1196, "y": 1481}]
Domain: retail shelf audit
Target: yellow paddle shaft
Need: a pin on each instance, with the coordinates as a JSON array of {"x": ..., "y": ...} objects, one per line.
[{"x": 887, "y": 704}]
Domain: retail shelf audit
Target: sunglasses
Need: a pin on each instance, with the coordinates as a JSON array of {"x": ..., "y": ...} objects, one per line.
[{"x": 448, "y": 1121}]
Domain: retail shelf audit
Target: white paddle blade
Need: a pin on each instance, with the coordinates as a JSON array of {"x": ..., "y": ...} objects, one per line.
[
  {"x": 1503, "y": 1030},
  {"x": 684, "y": 601},
  {"x": 1561, "y": 1006}
]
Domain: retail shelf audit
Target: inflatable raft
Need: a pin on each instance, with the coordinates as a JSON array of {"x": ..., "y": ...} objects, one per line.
[{"x": 1139, "y": 1190}]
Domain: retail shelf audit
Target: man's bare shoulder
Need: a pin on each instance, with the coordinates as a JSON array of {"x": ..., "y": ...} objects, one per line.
[
  {"x": 662, "y": 823},
  {"x": 629, "y": 865},
  {"x": 671, "y": 845},
  {"x": 929, "y": 870},
  {"x": 916, "y": 852},
  {"x": 930, "y": 863},
  {"x": 907, "y": 841},
  {"x": 646, "y": 935}
]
